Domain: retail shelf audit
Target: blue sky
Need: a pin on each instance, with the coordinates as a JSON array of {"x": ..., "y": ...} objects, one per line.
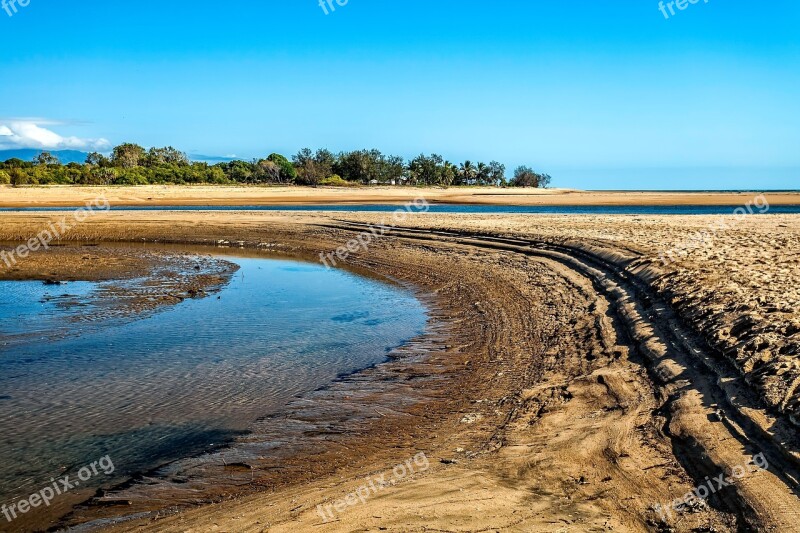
[{"x": 599, "y": 94}]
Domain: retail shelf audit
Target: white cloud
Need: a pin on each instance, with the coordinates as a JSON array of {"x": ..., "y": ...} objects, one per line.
[{"x": 30, "y": 133}]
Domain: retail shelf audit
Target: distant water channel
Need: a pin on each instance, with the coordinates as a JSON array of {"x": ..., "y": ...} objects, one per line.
[
  {"x": 189, "y": 377},
  {"x": 466, "y": 209}
]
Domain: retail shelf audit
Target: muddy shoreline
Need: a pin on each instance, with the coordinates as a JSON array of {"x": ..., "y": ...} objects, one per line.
[
  {"x": 565, "y": 396},
  {"x": 134, "y": 282}
]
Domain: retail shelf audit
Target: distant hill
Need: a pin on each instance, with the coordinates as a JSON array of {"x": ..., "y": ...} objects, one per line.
[
  {"x": 27, "y": 154},
  {"x": 76, "y": 156},
  {"x": 211, "y": 158}
]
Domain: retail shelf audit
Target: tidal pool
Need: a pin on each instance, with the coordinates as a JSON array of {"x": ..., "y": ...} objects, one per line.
[{"x": 146, "y": 391}]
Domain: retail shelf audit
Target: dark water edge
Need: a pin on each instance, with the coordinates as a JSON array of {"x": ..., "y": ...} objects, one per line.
[
  {"x": 383, "y": 317},
  {"x": 477, "y": 209},
  {"x": 286, "y": 441}
]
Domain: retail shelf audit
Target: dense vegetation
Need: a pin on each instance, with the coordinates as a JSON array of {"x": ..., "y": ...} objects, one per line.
[{"x": 131, "y": 164}]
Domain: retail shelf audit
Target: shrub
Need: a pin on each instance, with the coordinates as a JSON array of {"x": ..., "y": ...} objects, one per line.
[
  {"x": 336, "y": 181},
  {"x": 216, "y": 175},
  {"x": 130, "y": 176},
  {"x": 19, "y": 177}
]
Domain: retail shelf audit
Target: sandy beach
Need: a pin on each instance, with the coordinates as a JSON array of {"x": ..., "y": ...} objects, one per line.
[
  {"x": 418, "y": 267},
  {"x": 572, "y": 382},
  {"x": 165, "y": 195}
]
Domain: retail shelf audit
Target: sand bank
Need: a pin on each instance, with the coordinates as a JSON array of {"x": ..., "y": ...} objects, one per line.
[
  {"x": 577, "y": 382},
  {"x": 163, "y": 195}
]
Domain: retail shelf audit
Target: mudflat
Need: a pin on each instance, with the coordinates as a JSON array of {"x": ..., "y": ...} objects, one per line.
[
  {"x": 575, "y": 380},
  {"x": 166, "y": 195}
]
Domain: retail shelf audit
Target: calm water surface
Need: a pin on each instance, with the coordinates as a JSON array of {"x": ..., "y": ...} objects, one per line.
[
  {"x": 155, "y": 389},
  {"x": 468, "y": 209}
]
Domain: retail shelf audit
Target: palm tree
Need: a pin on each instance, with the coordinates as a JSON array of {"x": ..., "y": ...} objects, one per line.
[
  {"x": 449, "y": 173},
  {"x": 467, "y": 172},
  {"x": 483, "y": 174}
]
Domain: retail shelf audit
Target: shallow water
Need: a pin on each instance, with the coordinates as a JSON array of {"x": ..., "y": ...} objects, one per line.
[
  {"x": 468, "y": 209},
  {"x": 32, "y": 309},
  {"x": 189, "y": 377}
]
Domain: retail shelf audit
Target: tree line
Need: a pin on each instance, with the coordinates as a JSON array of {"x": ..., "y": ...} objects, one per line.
[{"x": 131, "y": 164}]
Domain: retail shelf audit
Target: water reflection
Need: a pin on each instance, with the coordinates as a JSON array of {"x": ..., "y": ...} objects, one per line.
[{"x": 182, "y": 380}]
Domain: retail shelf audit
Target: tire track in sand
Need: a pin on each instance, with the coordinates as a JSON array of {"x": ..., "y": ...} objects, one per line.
[{"x": 712, "y": 418}]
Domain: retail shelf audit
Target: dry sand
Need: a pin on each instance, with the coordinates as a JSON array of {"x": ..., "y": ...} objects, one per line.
[
  {"x": 162, "y": 195},
  {"x": 575, "y": 382}
]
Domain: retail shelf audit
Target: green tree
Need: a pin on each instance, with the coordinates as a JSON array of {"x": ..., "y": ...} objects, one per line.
[
  {"x": 313, "y": 167},
  {"x": 394, "y": 168},
  {"x": 128, "y": 155},
  {"x": 102, "y": 176},
  {"x": 354, "y": 166},
  {"x": 497, "y": 173},
  {"x": 240, "y": 171},
  {"x": 15, "y": 162},
  {"x": 18, "y": 177},
  {"x": 303, "y": 162},
  {"x": 96, "y": 159},
  {"x": 46, "y": 159},
  {"x": 268, "y": 172},
  {"x": 132, "y": 164},
  {"x": 424, "y": 170},
  {"x": 467, "y": 173},
  {"x": 325, "y": 161},
  {"x": 166, "y": 156},
  {"x": 216, "y": 175},
  {"x": 288, "y": 173},
  {"x": 526, "y": 177},
  {"x": 449, "y": 174},
  {"x": 482, "y": 174}
]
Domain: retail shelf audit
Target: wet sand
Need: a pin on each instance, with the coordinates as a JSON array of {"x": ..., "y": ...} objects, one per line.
[
  {"x": 166, "y": 195},
  {"x": 575, "y": 383},
  {"x": 143, "y": 280}
]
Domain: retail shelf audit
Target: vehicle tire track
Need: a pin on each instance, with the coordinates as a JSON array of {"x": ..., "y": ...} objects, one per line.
[{"x": 715, "y": 422}]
